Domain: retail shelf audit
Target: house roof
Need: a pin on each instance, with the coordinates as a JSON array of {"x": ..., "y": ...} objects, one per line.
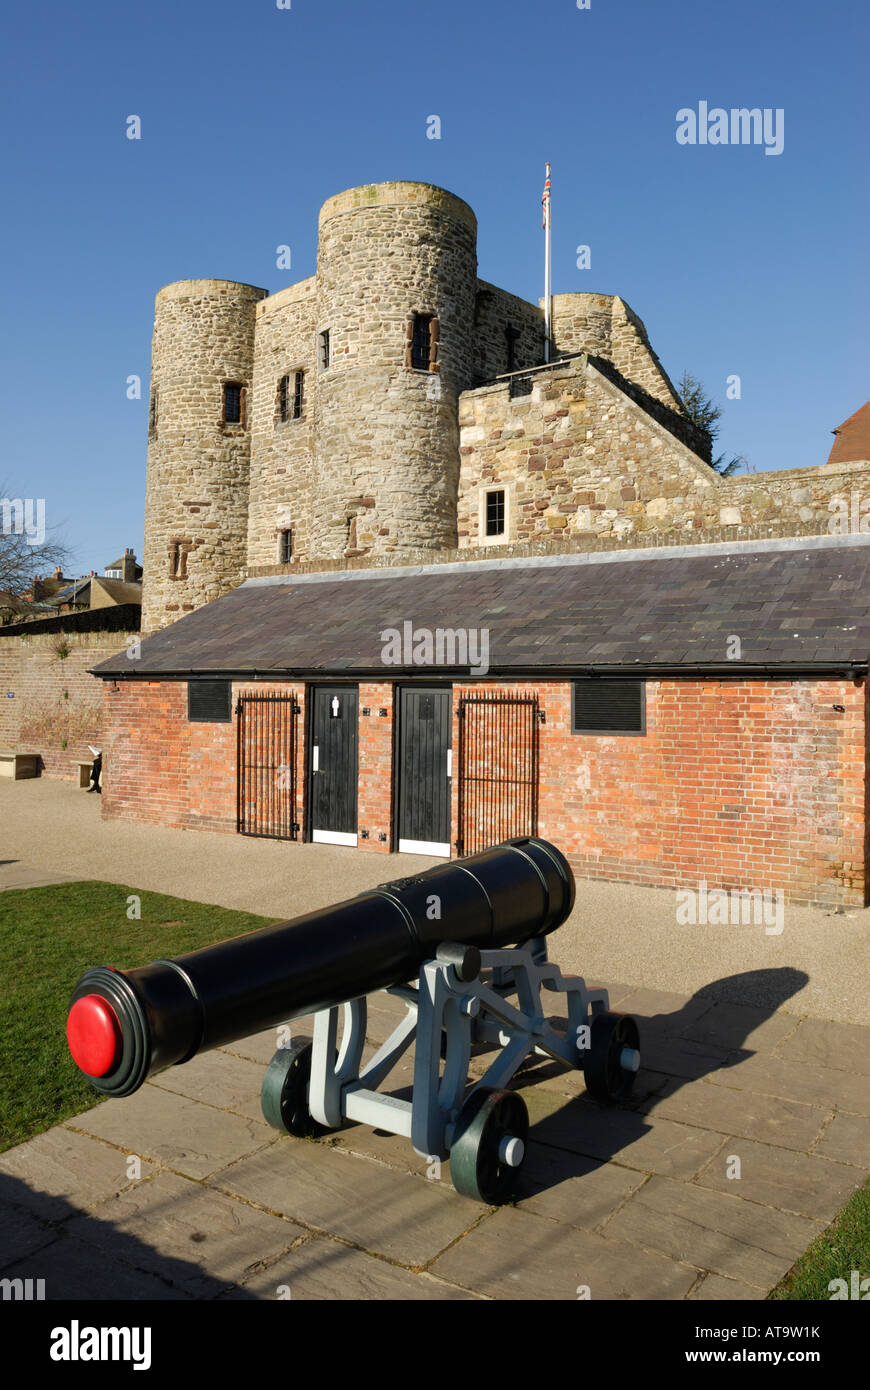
[
  {"x": 795, "y": 605},
  {"x": 852, "y": 441},
  {"x": 121, "y": 590}
]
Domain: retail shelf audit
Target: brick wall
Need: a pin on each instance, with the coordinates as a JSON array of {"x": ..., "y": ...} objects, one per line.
[
  {"x": 159, "y": 767},
  {"x": 743, "y": 784},
  {"x": 55, "y": 708}
]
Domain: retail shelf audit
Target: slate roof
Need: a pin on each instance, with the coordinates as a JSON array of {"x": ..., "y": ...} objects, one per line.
[{"x": 797, "y": 605}]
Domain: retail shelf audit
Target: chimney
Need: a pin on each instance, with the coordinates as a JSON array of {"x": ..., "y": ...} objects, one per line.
[{"x": 129, "y": 573}]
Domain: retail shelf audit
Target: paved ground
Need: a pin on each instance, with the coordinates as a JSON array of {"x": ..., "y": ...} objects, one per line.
[
  {"x": 635, "y": 1202},
  {"x": 748, "y": 1128},
  {"x": 818, "y": 965}
]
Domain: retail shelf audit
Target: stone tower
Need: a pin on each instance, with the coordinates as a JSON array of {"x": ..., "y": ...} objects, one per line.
[
  {"x": 199, "y": 440},
  {"x": 386, "y": 437}
]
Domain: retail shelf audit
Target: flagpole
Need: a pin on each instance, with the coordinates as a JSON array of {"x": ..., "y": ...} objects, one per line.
[{"x": 548, "y": 290}]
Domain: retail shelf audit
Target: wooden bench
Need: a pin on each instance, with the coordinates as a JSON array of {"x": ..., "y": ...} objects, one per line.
[
  {"x": 19, "y": 765},
  {"x": 85, "y": 767}
]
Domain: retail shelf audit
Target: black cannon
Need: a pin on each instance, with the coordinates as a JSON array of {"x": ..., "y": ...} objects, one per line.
[{"x": 445, "y": 929}]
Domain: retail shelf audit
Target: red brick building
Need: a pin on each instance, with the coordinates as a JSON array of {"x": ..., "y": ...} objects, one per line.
[{"x": 665, "y": 716}]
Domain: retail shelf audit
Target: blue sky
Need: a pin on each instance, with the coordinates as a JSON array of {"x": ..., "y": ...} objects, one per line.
[{"x": 737, "y": 261}]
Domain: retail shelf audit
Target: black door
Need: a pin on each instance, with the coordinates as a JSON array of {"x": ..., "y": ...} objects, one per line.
[
  {"x": 424, "y": 771},
  {"x": 333, "y": 764}
]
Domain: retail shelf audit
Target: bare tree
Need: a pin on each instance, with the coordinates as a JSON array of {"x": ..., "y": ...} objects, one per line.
[{"x": 26, "y": 551}]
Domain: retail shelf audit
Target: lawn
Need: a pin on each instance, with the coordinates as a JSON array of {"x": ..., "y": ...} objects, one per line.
[
  {"x": 843, "y": 1247},
  {"x": 48, "y": 938}
]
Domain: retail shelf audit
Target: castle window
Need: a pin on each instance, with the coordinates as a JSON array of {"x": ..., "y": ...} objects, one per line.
[
  {"x": 234, "y": 403},
  {"x": 608, "y": 707},
  {"x": 298, "y": 395},
  {"x": 323, "y": 349},
  {"x": 152, "y": 413},
  {"x": 421, "y": 346},
  {"x": 177, "y": 560},
  {"x": 495, "y": 512},
  {"x": 511, "y": 333},
  {"x": 283, "y": 394},
  {"x": 285, "y": 547}
]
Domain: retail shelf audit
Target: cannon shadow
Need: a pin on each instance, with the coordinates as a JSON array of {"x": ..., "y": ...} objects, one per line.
[{"x": 707, "y": 1034}]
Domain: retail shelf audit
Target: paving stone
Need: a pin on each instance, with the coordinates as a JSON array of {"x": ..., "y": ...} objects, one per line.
[
  {"x": 20, "y": 1232},
  {"x": 71, "y": 1271},
  {"x": 385, "y": 1211},
  {"x": 841, "y": 1046},
  {"x": 219, "y": 1079},
  {"x": 196, "y": 1239},
  {"x": 713, "y": 1288},
  {"x": 325, "y": 1269},
  {"x": 60, "y": 1173},
  {"x": 718, "y": 1232},
  {"x": 808, "y": 1082},
  {"x": 782, "y": 1178},
  {"x": 652, "y": 1144},
  {"x": 570, "y": 1188},
  {"x": 662, "y": 1012},
  {"x": 516, "y": 1254},
  {"x": 186, "y": 1135},
  {"x": 774, "y": 1121},
  {"x": 675, "y": 1056},
  {"x": 739, "y": 1026},
  {"x": 848, "y": 1139},
  {"x": 392, "y": 1149}
]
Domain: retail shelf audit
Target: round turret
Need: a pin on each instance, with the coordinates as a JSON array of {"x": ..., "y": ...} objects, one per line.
[
  {"x": 396, "y": 284},
  {"x": 199, "y": 441}
]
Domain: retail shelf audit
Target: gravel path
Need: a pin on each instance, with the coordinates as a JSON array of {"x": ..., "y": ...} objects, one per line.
[{"x": 819, "y": 965}]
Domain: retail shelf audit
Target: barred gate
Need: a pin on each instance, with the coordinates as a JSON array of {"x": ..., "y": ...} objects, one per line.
[
  {"x": 498, "y": 769},
  {"x": 267, "y": 757}
]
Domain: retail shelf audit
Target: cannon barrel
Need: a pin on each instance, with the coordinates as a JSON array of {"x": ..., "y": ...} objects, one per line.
[{"x": 125, "y": 1024}]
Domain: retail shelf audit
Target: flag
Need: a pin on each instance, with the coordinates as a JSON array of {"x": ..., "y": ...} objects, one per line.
[{"x": 545, "y": 201}]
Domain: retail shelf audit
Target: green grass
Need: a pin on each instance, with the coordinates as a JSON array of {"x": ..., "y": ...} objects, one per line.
[
  {"x": 844, "y": 1246},
  {"x": 48, "y": 938}
]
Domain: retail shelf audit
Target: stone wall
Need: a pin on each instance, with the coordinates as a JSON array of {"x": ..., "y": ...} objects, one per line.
[
  {"x": 581, "y": 460},
  {"x": 198, "y": 466},
  {"x": 575, "y": 455},
  {"x": 603, "y": 324},
  {"x": 55, "y": 708},
  {"x": 494, "y": 310},
  {"x": 282, "y": 452}
]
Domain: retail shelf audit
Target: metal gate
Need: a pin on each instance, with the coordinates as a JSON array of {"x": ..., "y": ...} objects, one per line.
[
  {"x": 498, "y": 769},
  {"x": 267, "y": 781}
]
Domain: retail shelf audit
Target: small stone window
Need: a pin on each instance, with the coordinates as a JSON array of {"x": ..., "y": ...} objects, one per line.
[
  {"x": 285, "y": 547},
  {"x": 421, "y": 343},
  {"x": 608, "y": 707},
  {"x": 283, "y": 399},
  {"x": 298, "y": 395},
  {"x": 234, "y": 403},
  {"x": 511, "y": 333},
  {"x": 152, "y": 414},
  {"x": 495, "y": 512},
  {"x": 178, "y": 559},
  {"x": 323, "y": 350}
]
